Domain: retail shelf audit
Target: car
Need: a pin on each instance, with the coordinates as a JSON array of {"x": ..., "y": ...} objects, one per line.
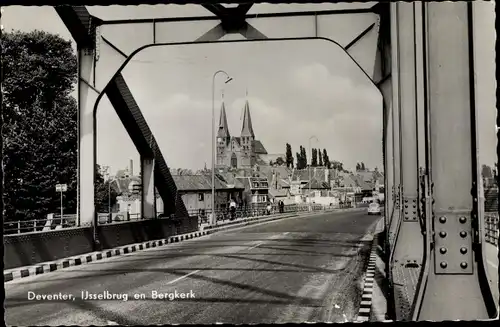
[{"x": 374, "y": 209}]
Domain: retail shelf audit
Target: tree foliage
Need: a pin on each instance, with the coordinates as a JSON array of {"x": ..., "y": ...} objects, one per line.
[
  {"x": 360, "y": 166},
  {"x": 289, "y": 156},
  {"x": 320, "y": 158},
  {"x": 337, "y": 165},
  {"x": 314, "y": 157},
  {"x": 280, "y": 161},
  {"x": 303, "y": 157},
  {"x": 486, "y": 171},
  {"x": 40, "y": 124},
  {"x": 105, "y": 194},
  {"x": 326, "y": 160}
]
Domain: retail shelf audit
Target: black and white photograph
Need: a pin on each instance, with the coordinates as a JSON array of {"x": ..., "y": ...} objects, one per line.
[{"x": 249, "y": 163}]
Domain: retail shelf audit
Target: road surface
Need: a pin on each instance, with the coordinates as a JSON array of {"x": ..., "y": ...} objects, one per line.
[{"x": 293, "y": 270}]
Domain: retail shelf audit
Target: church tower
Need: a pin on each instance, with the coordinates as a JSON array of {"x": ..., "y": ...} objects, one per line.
[
  {"x": 248, "y": 157},
  {"x": 223, "y": 137}
]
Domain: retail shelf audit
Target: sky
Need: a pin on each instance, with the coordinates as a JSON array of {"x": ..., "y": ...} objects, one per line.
[{"x": 296, "y": 89}]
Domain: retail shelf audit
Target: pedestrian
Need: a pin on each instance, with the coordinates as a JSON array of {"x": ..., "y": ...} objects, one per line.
[
  {"x": 232, "y": 209},
  {"x": 268, "y": 207}
]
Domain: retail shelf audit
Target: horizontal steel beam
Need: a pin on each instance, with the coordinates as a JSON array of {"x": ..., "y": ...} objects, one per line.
[{"x": 247, "y": 16}]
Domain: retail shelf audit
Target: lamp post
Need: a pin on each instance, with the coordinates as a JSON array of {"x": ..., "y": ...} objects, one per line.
[
  {"x": 214, "y": 141},
  {"x": 310, "y": 150}
]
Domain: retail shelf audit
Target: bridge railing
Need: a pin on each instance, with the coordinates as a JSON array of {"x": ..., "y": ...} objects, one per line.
[
  {"x": 491, "y": 227},
  {"x": 254, "y": 211},
  {"x": 54, "y": 222}
]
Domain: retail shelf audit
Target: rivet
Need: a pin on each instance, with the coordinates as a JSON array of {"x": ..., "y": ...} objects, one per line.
[
  {"x": 463, "y": 250},
  {"x": 463, "y": 234},
  {"x": 442, "y": 220},
  {"x": 463, "y": 265},
  {"x": 443, "y": 250},
  {"x": 443, "y": 265},
  {"x": 462, "y": 220},
  {"x": 442, "y": 234}
]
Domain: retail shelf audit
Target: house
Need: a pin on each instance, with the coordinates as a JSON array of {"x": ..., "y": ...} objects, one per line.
[
  {"x": 281, "y": 195},
  {"x": 256, "y": 190},
  {"x": 195, "y": 191}
]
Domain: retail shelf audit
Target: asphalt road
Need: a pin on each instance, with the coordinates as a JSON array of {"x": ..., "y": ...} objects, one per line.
[{"x": 294, "y": 270}]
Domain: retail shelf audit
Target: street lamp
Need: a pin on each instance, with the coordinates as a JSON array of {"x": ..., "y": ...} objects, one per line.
[
  {"x": 310, "y": 150},
  {"x": 214, "y": 141}
]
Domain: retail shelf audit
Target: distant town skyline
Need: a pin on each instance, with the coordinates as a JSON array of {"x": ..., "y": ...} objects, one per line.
[{"x": 296, "y": 89}]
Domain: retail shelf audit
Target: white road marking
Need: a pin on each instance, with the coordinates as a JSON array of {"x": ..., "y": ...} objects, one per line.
[
  {"x": 182, "y": 277},
  {"x": 109, "y": 322},
  {"x": 256, "y": 245}
]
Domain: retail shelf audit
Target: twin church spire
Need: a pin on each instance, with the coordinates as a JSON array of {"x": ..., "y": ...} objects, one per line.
[{"x": 246, "y": 129}]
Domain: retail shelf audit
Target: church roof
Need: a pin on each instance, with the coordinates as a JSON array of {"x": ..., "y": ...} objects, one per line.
[
  {"x": 223, "y": 126},
  {"x": 259, "y": 147},
  {"x": 247, "y": 128}
]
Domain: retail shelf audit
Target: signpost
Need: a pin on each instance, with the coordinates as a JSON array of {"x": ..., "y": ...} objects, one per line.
[{"x": 61, "y": 188}]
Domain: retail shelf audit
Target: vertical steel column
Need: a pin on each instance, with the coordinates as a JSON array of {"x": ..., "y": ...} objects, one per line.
[
  {"x": 148, "y": 210},
  {"x": 395, "y": 127},
  {"x": 408, "y": 249},
  {"x": 86, "y": 146},
  {"x": 453, "y": 289},
  {"x": 424, "y": 191},
  {"x": 386, "y": 89}
]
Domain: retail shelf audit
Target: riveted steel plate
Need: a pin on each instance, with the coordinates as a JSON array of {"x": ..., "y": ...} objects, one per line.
[
  {"x": 453, "y": 242},
  {"x": 410, "y": 212}
]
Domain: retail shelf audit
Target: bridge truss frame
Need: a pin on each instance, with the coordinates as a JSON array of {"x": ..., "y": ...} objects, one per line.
[{"x": 425, "y": 72}]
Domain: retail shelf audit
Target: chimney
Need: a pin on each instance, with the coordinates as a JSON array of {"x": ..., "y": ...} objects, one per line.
[{"x": 131, "y": 167}]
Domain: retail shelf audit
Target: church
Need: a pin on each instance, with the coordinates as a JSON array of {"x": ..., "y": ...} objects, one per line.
[{"x": 238, "y": 152}]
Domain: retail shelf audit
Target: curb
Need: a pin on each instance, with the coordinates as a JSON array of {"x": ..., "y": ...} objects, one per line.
[
  {"x": 368, "y": 283},
  {"x": 47, "y": 267},
  {"x": 366, "y": 297},
  {"x": 50, "y": 266}
]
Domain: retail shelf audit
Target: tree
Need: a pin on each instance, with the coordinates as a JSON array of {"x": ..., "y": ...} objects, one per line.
[
  {"x": 314, "y": 159},
  {"x": 326, "y": 159},
  {"x": 105, "y": 194},
  {"x": 299, "y": 161},
  {"x": 363, "y": 168},
  {"x": 40, "y": 124},
  {"x": 280, "y": 161},
  {"x": 320, "y": 158},
  {"x": 486, "y": 171},
  {"x": 337, "y": 165},
  {"x": 303, "y": 156},
  {"x": 358, "y": 166},
  {"x": 289, "y": 156}
]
